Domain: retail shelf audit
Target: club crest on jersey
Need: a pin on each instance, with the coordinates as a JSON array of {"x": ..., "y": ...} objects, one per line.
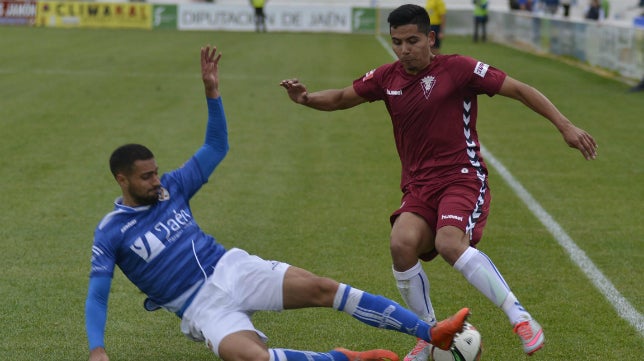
[
  {"x": 164, "y": 195},
  {"x": 427, "y": 83},
  {"x": 369, "y": 75}
]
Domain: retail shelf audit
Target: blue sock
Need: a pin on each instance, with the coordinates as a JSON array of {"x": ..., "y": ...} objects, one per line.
[
  {"x": 378, "y": 311},
  {"x": 280, "y": 354}
]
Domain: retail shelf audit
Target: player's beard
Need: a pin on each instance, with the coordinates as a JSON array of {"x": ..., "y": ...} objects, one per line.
[{"x": 147, "y": 198}]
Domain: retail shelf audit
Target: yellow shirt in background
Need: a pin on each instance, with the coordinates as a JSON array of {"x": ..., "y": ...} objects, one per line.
[{"x": 436, "y": 10}]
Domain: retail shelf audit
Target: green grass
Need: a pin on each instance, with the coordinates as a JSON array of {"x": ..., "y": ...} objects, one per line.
[{"x": 311, "y": 188}]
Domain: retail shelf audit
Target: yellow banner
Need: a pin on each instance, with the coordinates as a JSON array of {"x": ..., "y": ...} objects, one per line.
[{"x": 93, "y": 15}]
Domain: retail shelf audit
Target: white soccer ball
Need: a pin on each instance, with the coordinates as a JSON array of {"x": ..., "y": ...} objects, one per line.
[{"x": 467, "y": 347}]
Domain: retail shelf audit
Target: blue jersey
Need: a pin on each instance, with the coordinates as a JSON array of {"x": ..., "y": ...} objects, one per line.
[{"x": 160, "y": 248}]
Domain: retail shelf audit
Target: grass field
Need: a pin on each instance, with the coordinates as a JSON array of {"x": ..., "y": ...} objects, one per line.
[{"x": 311, "y": 188}]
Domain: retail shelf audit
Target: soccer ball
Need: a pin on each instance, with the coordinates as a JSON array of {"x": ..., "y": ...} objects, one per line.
[{"x": 467, "y": 347}]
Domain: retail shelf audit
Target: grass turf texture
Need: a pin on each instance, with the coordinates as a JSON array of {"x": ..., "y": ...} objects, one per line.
[{"x": 314, "y": 189}]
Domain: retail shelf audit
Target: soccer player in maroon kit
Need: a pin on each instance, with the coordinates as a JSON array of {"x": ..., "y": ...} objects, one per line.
[{"x": 432, "y": 101}]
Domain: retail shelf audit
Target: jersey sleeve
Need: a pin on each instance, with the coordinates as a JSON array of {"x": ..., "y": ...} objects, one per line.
[
  {"x": 98, "y": 292},
  {"x": 215, "y": 144},
  {"x": 100, "y": 280},
  {"x": 195, "y": 172},
  {"x": 369, "y": 85},
  {"x": 484, "y": 79},
  {"x": 103, "y": 254},
  {"x": 475, "y": 76}
]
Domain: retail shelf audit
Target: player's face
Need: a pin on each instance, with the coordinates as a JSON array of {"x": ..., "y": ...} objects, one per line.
[
  {"x": 413, "y": 48},
  {"x": 142, "y": 185}
]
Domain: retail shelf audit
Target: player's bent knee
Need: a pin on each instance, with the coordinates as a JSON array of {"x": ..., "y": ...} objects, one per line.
[
  {"x": 323, "y": 291},
  {"x": 243, "y": 346}
]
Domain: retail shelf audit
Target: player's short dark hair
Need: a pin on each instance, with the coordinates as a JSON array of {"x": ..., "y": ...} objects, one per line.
[
  {"x": 123, "y": 158},
  {"x": 410, "y": 14}
]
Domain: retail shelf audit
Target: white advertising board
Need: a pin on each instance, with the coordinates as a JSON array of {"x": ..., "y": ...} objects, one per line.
[{"x": 278, "y": 18}]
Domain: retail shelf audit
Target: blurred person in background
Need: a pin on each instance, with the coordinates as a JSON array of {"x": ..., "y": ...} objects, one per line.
[
  {"x": 551, "y": 6},
  {"x": 527, "y": 5},
  {"x": 595, "y": 11},
  {"x": 260, "y": 17},
  {"x": 480, "y": 19},
  {"x": 437, "y": 11},
  {"x": 640, "y": 86},
  {"x": 565, "y": 4},
  {"x": 605, "y": 4}
]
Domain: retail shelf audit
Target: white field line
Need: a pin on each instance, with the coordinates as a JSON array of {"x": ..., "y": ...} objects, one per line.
[{"x": 578, "y": 256}]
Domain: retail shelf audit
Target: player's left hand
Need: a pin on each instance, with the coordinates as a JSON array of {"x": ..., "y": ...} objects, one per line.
[{"x": 210, "y": 70}]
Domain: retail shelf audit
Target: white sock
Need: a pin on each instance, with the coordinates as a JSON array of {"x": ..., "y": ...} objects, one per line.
[
  {"x": 516, "y": 313},
  {"x": 414, "y": 289},
  {"x": 481, "y": 272}
]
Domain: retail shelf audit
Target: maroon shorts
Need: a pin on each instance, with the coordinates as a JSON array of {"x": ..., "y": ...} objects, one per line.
[{"x": 464, "y": 204}]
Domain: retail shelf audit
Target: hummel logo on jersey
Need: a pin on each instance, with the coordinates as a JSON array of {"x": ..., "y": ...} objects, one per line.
[
  {"x": 394, "y": 92},
  {"x": 148, "y": 246},
  {"x": 427, "y": 83},
  {"x": 128, "y": 225},
  {"x": 451, "y": 216},
  {"x": 481, "y": 69},
  {"x": 369, "y": 75}
]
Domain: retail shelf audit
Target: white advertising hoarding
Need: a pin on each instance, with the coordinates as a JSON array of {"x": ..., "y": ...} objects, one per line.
[{"x": 278, "y": 18}]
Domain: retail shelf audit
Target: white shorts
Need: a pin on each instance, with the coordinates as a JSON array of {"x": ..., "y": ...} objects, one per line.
[{"x": 240, "y": 285}]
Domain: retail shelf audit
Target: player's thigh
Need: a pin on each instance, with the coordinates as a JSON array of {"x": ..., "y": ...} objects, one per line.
[
  {"x": 253, "y": 283},
  {"x": 411, "y": 233},
  {"x": 243, "y": 346},
  {"x": 465, "y": 206}
]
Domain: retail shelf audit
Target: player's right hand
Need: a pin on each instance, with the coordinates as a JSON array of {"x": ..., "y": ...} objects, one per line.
[
  {"x": 296, "y": 90},
  {"x": 98, "y": 354}
]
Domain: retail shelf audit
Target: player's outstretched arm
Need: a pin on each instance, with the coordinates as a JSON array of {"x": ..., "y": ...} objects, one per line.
[
  {"x": 96, "y": 316},
  {"x": 215, "y": 145},
  {"x": 575, "y": 137},
  {"x": 330, "y": 99},
  {"x": 210, "y": 70}
]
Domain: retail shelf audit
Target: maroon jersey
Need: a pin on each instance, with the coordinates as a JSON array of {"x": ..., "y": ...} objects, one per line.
[{"x": 434, "y": 114}]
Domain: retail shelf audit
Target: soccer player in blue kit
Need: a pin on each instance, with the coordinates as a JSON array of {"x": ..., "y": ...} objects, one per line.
[{"x": 152, "y": 236}]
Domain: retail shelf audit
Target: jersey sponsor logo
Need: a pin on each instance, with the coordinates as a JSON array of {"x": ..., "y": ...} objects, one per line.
[
  {"x": 148, "y": 246},
  {"x": 451, "y": 216},
  {"x": 173, "y": 226},
  {"x": 427, "y": 83},
  {"x": 369, "y": 75},
  {"x": 394, "y": 92},
  {"x": 481, "y": 69}
]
